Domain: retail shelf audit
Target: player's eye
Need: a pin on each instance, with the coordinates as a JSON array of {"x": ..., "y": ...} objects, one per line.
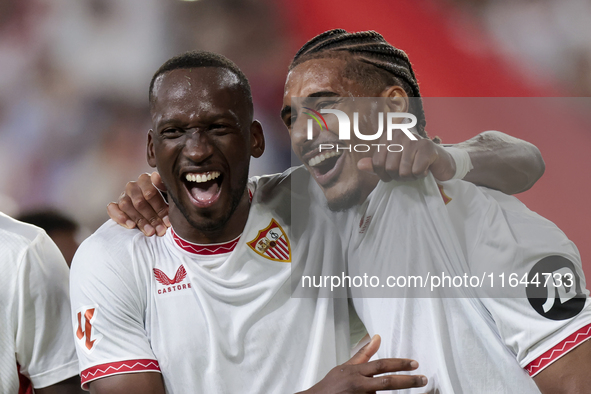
[
  {"x": 325, "y": 103},
  {"x": 220, "y": 128},
  {"x": 171, "y": 132}
]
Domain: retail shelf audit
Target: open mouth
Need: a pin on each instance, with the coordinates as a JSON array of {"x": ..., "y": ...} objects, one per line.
[
  {"x": 204, "y": 187},
  {"x": 325, "y": 166}
]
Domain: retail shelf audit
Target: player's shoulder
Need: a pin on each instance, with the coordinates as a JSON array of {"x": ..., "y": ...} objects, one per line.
[
  {"x": 16, "y": 238},
  {"x": 12, "y": 230},
  {"x": 294, "y": 180},
  {"x": 109, "y": 245}
]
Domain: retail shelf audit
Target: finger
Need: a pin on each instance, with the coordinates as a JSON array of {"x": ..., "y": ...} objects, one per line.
[
  {"x": 157, "y": 181},
  {"x": 387, "y": 365},
  {"x": 394, "y": 382},
  {"x": 393, "y": 162},
  {"x": 119, "y": 216},
  {"x": 365, "y": 353},
  {"x": 141, "y": 192},
  {"x": 153, "y": 197},
  {"x": 406, "y": 162},
  {"x": 424, "y": 158},
  {"x": 126, "y": 205},
  {"x": 365, "y": 165},
  {"x": 396, "y": 160},
  {"x": 378, "y": 162}
]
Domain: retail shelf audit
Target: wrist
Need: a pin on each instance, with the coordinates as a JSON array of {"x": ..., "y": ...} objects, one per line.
[{"x": 461, "y": 158}]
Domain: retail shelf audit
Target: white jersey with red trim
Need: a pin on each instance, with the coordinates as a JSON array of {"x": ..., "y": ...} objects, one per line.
[
  {"x": 216, "y": 318},
  {"x": 34, "y": 309},
  {"x": 468, "y": 340}
]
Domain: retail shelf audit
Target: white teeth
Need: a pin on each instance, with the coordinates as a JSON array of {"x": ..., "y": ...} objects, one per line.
[
  {"x": 323, "y": 156},
  {"x": 203, "y": 177}
]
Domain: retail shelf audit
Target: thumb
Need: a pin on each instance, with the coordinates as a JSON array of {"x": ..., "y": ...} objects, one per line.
[
  {"x": 366, "y": 165},
  {"x": 365, "y": 353},
  {"x": 157, "y": 181}
]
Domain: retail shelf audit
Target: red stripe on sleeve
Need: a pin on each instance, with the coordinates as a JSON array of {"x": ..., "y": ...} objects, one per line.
[
  {"x": 121, "y": 367},
  {"x": 568, "y": 344}
]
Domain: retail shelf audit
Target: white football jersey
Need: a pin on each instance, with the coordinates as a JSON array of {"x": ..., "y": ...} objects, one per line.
[
  {"x": 212, "y": 318},
  {"x": 467, "y": 340},
  {"x": 34, "y": 309}
]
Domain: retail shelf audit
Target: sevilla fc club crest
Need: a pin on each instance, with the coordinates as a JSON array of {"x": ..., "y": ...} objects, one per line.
[{"x": 272, "y": 243}]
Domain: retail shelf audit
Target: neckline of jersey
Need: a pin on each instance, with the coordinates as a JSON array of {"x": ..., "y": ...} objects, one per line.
[{"x": 204, "y": 250}]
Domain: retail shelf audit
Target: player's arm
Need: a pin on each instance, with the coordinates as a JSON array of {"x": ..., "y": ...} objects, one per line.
[
  {"x": 133, "y": 383},
  {"x": 358, "y": 374},
  {"x": 69, "y": 386},
  {"x": 569, "y": 374},
  {"x": 108, "y": 304},
  {"x": 499, "y": 161},
  {"x": 44, "y": 347}
]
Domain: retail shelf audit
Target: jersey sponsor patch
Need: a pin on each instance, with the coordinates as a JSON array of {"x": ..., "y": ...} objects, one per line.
[
  {"x": 272, "y": 243},
  {"x": 86, "y": 333},
  {"x": 168, "y": 285},
  {"x": 554, "y": 288}
]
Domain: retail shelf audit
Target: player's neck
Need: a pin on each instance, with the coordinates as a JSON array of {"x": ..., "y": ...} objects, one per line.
[{"x": 229, "y": 231}]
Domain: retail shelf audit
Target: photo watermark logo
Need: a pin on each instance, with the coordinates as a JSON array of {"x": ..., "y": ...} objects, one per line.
[{"x": 345, "y": 129}]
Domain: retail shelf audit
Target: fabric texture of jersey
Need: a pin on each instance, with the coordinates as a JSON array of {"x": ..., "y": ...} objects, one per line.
[
  {"x": 34, "y": 308},
  {"x": 212, "y": 318},
  {"x": 466, "y": 340}
]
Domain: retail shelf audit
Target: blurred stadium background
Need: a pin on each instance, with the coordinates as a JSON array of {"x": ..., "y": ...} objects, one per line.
[{"x": 74, "y": 76}]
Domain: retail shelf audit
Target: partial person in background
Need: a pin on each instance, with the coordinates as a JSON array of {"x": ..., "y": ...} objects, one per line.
[
  {"x": 60, "y": 228},
  {"x": 35, "y": 334}
]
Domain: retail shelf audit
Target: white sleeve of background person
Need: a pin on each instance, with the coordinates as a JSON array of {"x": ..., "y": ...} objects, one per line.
[
  {"x": 35, "y": 332},
  {"x": 108, "y": 308},
  {"x": 509, "y": 239}
]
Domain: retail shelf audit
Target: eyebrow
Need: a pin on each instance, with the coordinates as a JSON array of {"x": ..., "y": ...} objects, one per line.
[{"x": 325, "y": 93}]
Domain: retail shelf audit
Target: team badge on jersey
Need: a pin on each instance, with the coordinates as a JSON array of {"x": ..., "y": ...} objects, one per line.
[
  {"x": 272, "y": 243},
  {"x": 171, "y": 285}
]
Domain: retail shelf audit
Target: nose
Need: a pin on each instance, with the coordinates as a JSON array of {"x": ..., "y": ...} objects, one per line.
[{"x": 198, "y": 146}]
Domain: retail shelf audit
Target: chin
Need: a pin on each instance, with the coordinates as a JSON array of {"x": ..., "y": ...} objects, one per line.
[{"x": 344, "y": 200}]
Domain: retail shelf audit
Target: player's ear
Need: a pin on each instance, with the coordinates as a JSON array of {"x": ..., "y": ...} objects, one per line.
[
  {"x": 396, "y": 99},
  {"x": 150, "y": 150},
  {"x": 257, "y": 139}
]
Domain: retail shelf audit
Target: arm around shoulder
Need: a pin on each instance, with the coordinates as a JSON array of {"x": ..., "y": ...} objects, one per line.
[{"x": 502, "y": 162}]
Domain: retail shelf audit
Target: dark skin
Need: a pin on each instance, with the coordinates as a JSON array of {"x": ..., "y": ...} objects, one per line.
[
  {"x": 195, "y": 132},
  {"x": 202, "y": 123},
  {"x": 68, "y": 386},
  {"x": 500, "y": 161}
]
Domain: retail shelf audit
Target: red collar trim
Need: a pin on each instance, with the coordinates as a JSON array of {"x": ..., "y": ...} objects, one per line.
[{"x": 204, "y": 250}]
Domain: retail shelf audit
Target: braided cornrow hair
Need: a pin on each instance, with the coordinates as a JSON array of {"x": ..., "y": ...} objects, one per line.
[{"x": 371, "y": 48}]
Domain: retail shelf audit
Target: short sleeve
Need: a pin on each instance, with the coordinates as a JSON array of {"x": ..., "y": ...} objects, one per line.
[
  {"x": 552, "y": 314},
  {"x": 108, "y": 311},
  {"x": 44, "y": 347}
]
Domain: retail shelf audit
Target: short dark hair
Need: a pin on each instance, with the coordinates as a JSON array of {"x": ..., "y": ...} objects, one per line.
[
  {"x": 49, "y": 220},
  {"x": 197, "y": 59},
  {"x": 370, "y": 60}
]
